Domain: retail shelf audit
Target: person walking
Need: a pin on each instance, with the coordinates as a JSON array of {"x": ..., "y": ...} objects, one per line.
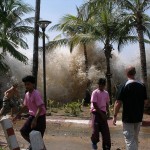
[
  {"x": 99, "y": 104},
  {"x": 9, "y": 100},
  {"x": 33, "y": 101},
  {"x": 132, "y": 95}
]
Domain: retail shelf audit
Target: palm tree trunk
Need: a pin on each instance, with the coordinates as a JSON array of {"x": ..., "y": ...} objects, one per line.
[
  {"x": 108, "y": 49},
  {"x": 142, "y": 55},
  {"x": 86, "y": 60},
  {"x": 36, "y": 36},
  {"x": 88, "y": 86}
]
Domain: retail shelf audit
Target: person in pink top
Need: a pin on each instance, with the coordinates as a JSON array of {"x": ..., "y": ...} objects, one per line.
[
  {"x": 99, "y": 104},
  {"x": 33, "y": 101}
]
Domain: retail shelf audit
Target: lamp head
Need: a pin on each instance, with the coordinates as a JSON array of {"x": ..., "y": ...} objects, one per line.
[{"x": 43, "y": 23}]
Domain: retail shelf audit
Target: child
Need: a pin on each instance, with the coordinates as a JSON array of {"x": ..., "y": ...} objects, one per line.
[
  {"x": 33, "y": 101},
  {"x": 8, "y": 100},
  {"x": 99, "y": 103}
]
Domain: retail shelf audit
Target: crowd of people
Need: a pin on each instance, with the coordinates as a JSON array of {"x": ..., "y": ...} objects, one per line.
[{"x": 131, "y": 95}]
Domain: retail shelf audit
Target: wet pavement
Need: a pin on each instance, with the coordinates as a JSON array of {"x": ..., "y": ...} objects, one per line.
[{"x": 67, "y": 135}]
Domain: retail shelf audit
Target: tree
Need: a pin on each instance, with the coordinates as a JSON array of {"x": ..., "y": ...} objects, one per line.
[
  {"x": 13, "y": 29},
  {"x": 36, "y": 36},
  {"x": 107, "y": 28},
  {"x": 103, "y": 25},
  {"x": 104, "y": 29},
  {"x": 95, "y": 22},
  {"x": 70, "y": 26},
  {"x": 133, "y": 13}
]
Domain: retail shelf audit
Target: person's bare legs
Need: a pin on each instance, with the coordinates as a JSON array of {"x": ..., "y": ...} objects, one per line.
[
  {"x": 11, "y": 112},
  {"x": 1, "y": 111}
]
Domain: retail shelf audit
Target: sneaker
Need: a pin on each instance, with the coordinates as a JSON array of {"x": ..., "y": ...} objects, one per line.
[{"x": 94, "y": 146}]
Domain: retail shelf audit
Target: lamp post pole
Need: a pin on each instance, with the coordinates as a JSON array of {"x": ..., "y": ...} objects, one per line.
[
  {"x": 43, "y": 24},
  {"x": 44, "y": 70}
]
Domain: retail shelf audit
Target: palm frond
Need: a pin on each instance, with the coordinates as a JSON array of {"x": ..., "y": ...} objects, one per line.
[
  {"x": 147, "y": 29},
  {"x": 147, "y": 41},
  {"x": 25, "y": 22},
  {"x": 14, "y": 28},
  {"x": 126, "y": 40},
  {"x": 3, "y": 66},
  {"x": 54, "y": 44},
  {"x": 21, "y": 31},
  {"x": 9, "y": 47},
  {"x": 55, "y": 27},
  {"x": 145, "y": 5}
]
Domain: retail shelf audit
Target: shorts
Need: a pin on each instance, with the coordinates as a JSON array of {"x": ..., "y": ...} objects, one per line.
[
  {"x": 7, "y": 105},
  {"x": 41, "y": 125}
]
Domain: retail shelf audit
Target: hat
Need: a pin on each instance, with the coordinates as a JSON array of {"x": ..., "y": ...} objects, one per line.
[{"x": 102, "y": 81}]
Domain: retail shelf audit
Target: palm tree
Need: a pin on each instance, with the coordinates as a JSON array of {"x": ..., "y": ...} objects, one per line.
[
  {"x": 108, "y": 29},
  {"x": 105, "y": 29},
  {"x": 13, "y": 29},
  {"x": 72, "y": 25},
  {"x": 101, "y": 25},
  {"x": 133, "y": 12},
  {"x": 36, "y": 36}
]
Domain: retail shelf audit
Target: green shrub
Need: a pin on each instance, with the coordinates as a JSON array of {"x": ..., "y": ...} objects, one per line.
[
  {"x": 73, "y": 108},
  {"x": 1, "y": 148},
  {"x": 53, "y": 106}
]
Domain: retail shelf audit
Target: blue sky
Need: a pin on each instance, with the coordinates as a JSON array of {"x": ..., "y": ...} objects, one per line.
[{"x": 54, "y": 10}]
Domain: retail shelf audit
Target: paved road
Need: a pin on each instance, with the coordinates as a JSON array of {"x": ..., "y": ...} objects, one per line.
[{"x": 64, "y": 135}]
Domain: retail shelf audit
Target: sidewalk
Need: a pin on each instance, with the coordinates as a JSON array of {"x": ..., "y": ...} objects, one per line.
[
  {"x": 71, "y": 134},
  {"x": 84, "y": 122}
]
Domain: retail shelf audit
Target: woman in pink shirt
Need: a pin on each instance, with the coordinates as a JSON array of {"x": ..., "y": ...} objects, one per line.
[
  {"x": 33, "y": 101},
  {"x": 99, "y": 103}
]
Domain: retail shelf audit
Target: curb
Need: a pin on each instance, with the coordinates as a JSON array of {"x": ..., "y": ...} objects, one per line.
[{"x": 82, "y": 122}]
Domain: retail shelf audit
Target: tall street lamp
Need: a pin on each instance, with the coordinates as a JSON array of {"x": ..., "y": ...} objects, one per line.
[{"x": 43, "y": 24}]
